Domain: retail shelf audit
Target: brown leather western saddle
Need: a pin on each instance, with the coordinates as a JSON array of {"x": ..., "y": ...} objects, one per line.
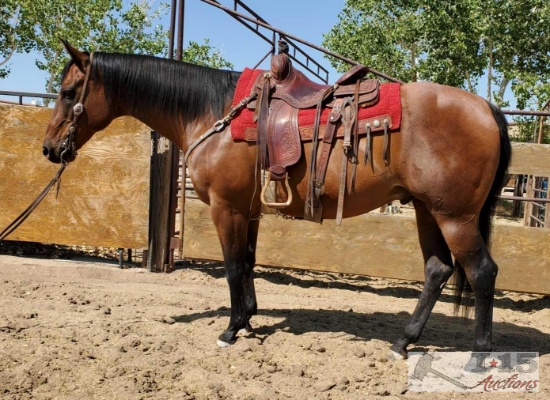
[{"x": 282, "y": 92}]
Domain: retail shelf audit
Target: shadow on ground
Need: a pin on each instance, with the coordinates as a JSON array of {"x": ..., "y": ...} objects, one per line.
[
  {"x": 447, "y": 333},
  {"x": 398, "y": 289}
]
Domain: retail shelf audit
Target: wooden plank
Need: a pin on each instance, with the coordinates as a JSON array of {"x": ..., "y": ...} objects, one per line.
[
  {"x": 371, "y": 244},
  {"x": 523, "y": 255},
  {"x": 104, "y": 194},
  {"x": 530, "y": 159},
  {"x": 351, "y": 248}
]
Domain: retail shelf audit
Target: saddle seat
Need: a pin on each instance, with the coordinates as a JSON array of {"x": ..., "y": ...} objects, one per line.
[
  {"x": 293, "y": 86},
  {"x": 297, "y": 90}
]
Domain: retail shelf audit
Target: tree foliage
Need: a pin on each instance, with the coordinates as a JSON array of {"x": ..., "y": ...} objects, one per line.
[
  {"x": 10, "y": 42},
  {"x": 99, "y": 25},
  {"x": 37, "y": 26},
  {"x": 529, "y": 129},
  {"x": 454, "y": 42},
  {"x": 204, "y": 54}
]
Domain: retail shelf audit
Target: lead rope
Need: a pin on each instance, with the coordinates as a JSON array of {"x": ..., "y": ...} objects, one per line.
[
  {"x": 67, "y": 145},
  {"x": 23, "y": 216}
]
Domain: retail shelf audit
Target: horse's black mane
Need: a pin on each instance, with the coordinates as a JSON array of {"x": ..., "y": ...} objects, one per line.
[{"x": 178, "y": 88}]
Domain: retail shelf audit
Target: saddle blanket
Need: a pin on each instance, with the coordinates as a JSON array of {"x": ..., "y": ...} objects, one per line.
[{"x": 244, "y": 128}]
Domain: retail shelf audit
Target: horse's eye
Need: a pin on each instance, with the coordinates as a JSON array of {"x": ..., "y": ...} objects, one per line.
[{"x": 68, "y": 94}]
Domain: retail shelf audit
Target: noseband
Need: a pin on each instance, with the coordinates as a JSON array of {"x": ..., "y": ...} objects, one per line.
[{"x": 69, "y": 145}]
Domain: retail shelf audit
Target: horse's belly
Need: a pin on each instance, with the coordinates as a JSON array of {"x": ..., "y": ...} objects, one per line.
[{"x": 370, "y": 191}]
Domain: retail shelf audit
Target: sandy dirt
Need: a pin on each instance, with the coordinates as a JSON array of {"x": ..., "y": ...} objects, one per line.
[{"x": 74, "y": 329}]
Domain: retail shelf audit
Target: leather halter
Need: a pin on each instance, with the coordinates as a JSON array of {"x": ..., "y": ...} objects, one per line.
[{"x": 69, "y": 144}]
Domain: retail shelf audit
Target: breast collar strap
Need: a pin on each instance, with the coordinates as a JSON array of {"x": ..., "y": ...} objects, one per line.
[
  {"x": 218, "y": 125},
  {"x": 69, "y": 144}
]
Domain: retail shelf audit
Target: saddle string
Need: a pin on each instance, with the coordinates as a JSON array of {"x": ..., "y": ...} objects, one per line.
[
  {"x": 312, "y": 166},
  {"x": 263, "y": 115},
  {"x": 385, "y": 146},
  {"x": 316, "y": 177},
  {"x": 348, "y": 118},
  {"x": 355, "y": 159},
  {"x": 367, "y": 156},
  {"x": 257, "y": 168}
]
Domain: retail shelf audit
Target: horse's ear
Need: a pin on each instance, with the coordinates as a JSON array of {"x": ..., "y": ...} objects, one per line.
[{"x": 80, "y": 58}]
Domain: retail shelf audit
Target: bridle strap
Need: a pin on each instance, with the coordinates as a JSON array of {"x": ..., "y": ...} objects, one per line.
[
  {"x": 76, "y": 111},
  {"x": 86, "y": 79}
]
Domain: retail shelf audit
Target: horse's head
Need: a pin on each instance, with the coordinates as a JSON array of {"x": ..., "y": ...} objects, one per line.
[{"x": 80, "y": 109}]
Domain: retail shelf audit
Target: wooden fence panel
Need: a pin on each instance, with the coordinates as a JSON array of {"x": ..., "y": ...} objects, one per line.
[
  {"x": 104, "y": 196},
  {"x": 530, "y": 159},
  {"x": 371, "y": 244},
  {"x": 383, "y": 245}
]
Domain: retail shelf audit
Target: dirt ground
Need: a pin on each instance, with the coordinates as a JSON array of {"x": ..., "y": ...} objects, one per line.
[{"x": 73, "y": 329}]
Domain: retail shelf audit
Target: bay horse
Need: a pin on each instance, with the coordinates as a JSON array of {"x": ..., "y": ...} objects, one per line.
[{"x": 449, "y": 157}]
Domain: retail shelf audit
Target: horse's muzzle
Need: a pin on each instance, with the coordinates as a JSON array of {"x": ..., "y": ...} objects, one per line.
[
  {"x": 49, "y": 151},
  {"x": 54, "y": 153}
]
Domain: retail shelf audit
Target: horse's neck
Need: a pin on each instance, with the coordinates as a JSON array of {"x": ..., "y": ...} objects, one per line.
[
  {"x": 173, "y": 128},
  {"x": 169, "y": 127}
]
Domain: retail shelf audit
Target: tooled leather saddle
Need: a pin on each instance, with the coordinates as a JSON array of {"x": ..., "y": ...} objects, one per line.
[{"x": 281, "y": 93}]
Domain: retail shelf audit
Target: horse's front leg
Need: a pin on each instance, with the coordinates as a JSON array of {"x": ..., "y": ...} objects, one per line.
[
  {"x": 248, "y": 279},
  {"x": 232, "y": 228}
]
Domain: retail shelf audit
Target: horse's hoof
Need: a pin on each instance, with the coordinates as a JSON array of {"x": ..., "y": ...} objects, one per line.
[
  {"x": 397, "y": 352},
  {"x": 223, "y": 344},
  {"x": 246, "y": 330},
  {"x": 394, "y": 356},
  {"x": 226, "y": 339}
]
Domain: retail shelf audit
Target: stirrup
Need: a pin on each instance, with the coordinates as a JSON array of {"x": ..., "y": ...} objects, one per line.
[{"x": 274, "y": 204}]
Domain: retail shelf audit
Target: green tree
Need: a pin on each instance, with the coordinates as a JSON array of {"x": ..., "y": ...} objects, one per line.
[
  {"x": 204, "y": 54},
  {"x": 7, "y": 38},
  {"x": 454, "y": 42},
  {"x": 99, "y": 25},
  {"x": 10, "y": 40}
]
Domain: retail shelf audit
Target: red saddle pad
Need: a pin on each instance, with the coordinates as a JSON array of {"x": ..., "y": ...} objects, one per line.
[{"x": 389, "y": 104}]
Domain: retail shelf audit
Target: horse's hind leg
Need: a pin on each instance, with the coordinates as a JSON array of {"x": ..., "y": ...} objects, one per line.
[
  {"x": 438, "y": 268},
  {"x": 468, "y": 247}
]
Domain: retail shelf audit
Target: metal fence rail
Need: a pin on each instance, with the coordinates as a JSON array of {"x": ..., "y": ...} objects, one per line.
[{"x": 21, "y": 95}]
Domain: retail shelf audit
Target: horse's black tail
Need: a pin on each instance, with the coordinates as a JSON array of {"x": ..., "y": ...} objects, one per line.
[{"x": 463, "y": 291}]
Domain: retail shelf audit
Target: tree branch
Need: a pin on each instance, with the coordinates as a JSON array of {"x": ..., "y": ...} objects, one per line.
[
  {"x": 490, "y": 70},
  {"x": 11, "y": 51},
  {"x": 502, "y": 88},
  {"x": 469, "y": 82}
]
